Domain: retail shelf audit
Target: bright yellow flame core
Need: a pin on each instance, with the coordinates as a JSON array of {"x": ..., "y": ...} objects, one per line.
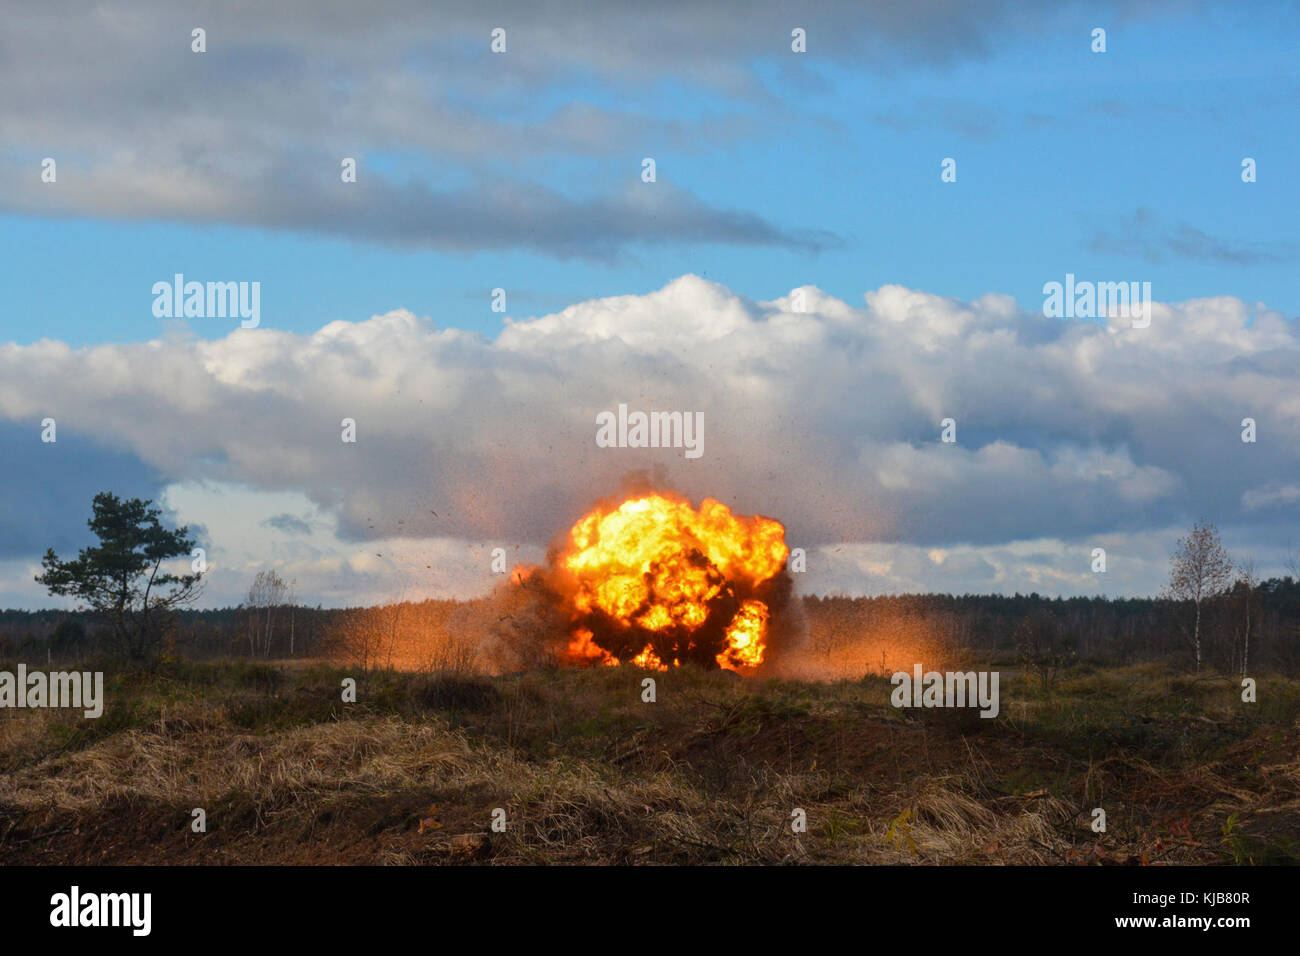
[
  {"x": 656, "y": 562},
  {"x": 745, "y": 637}
]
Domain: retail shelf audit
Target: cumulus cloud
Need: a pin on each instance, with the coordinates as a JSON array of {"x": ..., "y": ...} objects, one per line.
[{"x": 818, "y": 412}]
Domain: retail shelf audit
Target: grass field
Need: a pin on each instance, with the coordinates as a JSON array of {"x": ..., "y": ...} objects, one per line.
[{"x": 709, "y": 773}]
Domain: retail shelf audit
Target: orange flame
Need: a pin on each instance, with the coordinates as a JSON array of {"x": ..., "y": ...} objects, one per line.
[{"x": 660, "y": 577}]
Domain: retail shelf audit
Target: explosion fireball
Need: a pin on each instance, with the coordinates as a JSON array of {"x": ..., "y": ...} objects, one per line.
[{"x": 653, "y": 582}]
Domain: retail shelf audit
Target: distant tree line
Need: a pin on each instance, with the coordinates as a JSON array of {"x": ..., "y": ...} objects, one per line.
[
  {"x": 135, "y": 587},
  {"x": 374, "y": 636},
  {"x": 1248, "y": 626},
  {"x": 1262, "y": 620}
]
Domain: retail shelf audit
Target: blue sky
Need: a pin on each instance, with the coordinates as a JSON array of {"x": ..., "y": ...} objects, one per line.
[
  {"x": 1058, "y": 149},
  {"x": 775, "y": 171}
]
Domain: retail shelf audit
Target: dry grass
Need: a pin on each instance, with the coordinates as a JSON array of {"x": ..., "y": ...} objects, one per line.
[
  {"x": 294, "y": 769},
  {"x": 588, "y": 773}
]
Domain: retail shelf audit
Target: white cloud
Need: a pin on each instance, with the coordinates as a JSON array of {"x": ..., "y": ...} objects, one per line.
[
  {"x": 826, "y": 419},
  {"x": 1271, "y": 496},
  {"x": 235, "y": 521}
]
